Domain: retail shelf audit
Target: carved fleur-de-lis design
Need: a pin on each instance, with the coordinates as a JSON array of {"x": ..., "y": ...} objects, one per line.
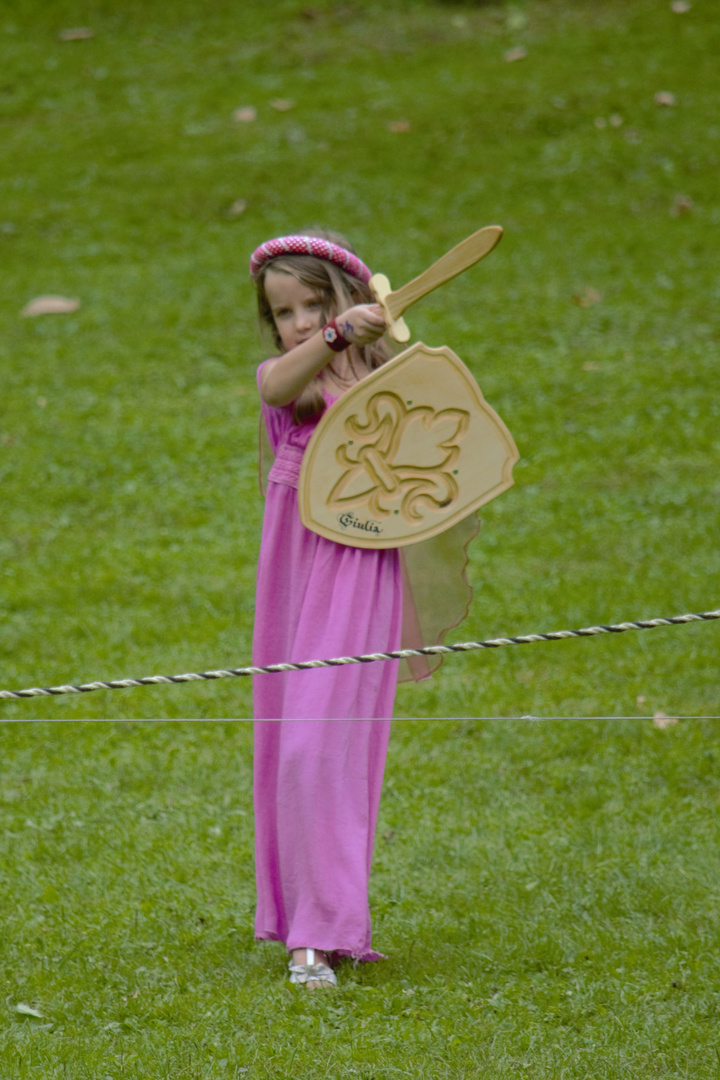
[{"x": 400, "y": 455}]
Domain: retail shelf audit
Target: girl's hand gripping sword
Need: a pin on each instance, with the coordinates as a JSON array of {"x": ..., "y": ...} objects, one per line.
[{"x": 460, "y": 258}]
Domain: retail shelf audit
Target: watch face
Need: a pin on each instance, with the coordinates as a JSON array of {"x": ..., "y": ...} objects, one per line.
[{"x": 330, "y": 334}]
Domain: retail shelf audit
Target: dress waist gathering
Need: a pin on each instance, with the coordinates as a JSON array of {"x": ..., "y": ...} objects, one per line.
[{"x": 287, "y": 465}]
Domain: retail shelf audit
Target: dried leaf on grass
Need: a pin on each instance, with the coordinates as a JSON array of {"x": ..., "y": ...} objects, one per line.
[
  {"x": 246, "y": 115},
  {"x": 50, "y": 305},
  {"x": 680, "y": 6},
  {"x": 683, "y": 205},
  {"x": 282, "y": 104},
  {"x": 399, "y": 127},
  {"x": 238, "y": 207},
  {"x": 587, "y": 297},
  {"x": 662, "y": 720},
  {"x": 27, "y": 1010},
  {"x": 518, "y": 53},
  {"x": 666, "y": 98},
  {"x": 76, "y": 33}
]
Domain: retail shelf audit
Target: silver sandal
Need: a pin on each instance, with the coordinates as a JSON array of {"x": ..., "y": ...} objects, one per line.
[{"x": 311, "y": 972}]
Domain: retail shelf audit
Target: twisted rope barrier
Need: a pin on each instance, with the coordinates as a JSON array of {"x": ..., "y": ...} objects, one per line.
[{"x": 367, "y": 658}]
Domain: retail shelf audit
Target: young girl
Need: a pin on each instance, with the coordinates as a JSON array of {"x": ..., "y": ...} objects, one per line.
[{"x": 318, "y": 773}]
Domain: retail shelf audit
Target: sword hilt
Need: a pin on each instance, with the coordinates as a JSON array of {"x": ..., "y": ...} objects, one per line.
[{"x": 397, "y": 327}]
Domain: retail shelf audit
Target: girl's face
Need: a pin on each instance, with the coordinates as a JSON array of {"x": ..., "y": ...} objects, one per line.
[{"x": 296, "y": 308}]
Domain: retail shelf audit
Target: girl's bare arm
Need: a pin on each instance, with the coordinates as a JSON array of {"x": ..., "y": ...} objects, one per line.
[{"x": 284, "y": 378}]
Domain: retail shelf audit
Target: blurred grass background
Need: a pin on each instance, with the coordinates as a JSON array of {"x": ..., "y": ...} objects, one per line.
[
  {"x": 130, "y": 510},
  {"x": 547, "y": 893}
]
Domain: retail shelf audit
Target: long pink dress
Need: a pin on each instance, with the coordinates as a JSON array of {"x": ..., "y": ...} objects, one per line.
[{"x": 318, "y": 774}]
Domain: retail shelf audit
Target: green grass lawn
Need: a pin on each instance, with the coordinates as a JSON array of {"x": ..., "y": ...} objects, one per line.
[
  {"x": 547, "y": 893},
  {"x": 128, "y": 429}
]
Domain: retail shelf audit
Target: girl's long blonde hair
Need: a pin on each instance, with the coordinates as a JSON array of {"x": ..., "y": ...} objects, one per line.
[{"x": 338, "y": 291}]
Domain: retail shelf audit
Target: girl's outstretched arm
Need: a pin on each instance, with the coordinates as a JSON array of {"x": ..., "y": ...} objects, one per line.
[{"x": 284, "y": 378}]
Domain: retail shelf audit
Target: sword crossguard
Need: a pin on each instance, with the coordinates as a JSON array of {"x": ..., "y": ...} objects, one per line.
[{"x": 397, "y": 327}]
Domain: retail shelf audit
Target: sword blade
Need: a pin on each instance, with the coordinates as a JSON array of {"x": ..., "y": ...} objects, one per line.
[{"x": 460, "y": 258}]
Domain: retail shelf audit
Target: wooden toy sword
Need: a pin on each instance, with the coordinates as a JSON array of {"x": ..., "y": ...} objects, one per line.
[{"x": 460, "y": 258}]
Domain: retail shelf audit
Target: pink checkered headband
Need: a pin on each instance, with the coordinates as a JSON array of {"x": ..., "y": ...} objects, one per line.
[{"x": 308, "y": 245}]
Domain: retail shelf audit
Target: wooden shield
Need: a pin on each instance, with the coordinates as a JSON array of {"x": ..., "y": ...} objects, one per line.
[{"x": 405, "y": 454}]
